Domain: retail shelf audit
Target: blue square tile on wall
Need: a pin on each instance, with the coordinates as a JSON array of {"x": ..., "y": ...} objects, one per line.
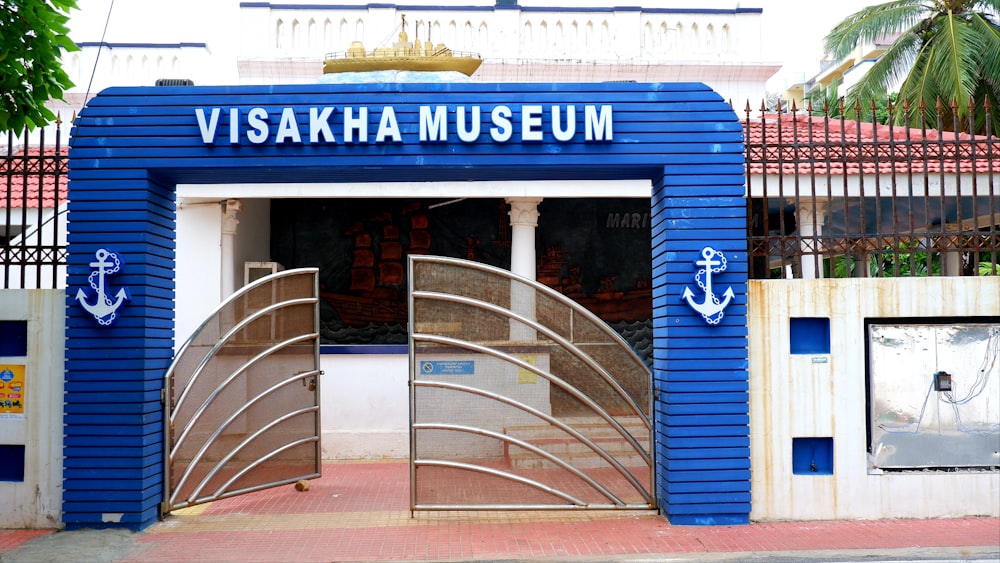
[
  {"x": 809, "y": 335},
  {"x": 12, "y": 462},
  {"x": 13, "y": 338},
  {"x": 812, "y": 456}
]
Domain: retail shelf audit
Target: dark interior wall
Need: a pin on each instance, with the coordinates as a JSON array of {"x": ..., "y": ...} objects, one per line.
[{"x": 596, "y": 251}]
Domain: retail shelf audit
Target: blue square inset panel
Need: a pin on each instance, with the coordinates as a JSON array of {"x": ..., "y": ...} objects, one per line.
[
  {"x": 812, "y": 456},
  {"x": 11, "y": 463},
  {"x": 809, "y": 335},
  {"x": 13, "y": 338}
]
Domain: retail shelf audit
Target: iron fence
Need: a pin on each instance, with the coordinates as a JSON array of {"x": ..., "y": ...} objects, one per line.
[
  {"x": 32, "y": 210},
  {"x": 832, "y": 196}
]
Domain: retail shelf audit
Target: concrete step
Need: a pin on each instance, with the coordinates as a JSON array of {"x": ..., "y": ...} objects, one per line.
[{"x": 557, "y": 442}]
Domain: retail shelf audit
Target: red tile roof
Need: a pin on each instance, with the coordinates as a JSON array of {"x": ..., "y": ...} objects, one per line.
[
  {"x": 781, "y": 144},
  {"x": 23, "y": 173},
  {"x": 789, "y": 144}
]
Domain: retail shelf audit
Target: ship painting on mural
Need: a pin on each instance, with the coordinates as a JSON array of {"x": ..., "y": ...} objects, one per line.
[
  {"x": 606, "y": 301},
  {"x": 380, "y": 243},
  {"x": 376, "y": 293}
]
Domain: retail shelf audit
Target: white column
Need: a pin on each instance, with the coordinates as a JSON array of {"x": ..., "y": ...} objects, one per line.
[
  {"x": 523, "y": 222},
  {"x": 229, "y": 222},
  {"x": 810, "y": 216},
  {"x": 952, "y": 259}
]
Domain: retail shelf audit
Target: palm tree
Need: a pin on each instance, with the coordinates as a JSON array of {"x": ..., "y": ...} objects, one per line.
[{"x": 944, "y": 50}]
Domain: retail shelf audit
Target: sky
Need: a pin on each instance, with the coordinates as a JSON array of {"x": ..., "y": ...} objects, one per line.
[{"x": 794, "y": 31}]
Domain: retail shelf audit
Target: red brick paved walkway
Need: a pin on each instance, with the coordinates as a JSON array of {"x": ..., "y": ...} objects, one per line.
[{"x": 360, "y": 512}]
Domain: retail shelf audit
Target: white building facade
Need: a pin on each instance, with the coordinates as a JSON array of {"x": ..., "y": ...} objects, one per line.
[
  {"x": 718, "y": 43},
  {"x": 221, "y": 228}
]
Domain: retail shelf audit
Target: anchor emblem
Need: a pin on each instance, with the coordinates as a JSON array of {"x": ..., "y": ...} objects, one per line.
[
  {"x": 103, "y": 309},
  {"x": 712, "y": 262}
]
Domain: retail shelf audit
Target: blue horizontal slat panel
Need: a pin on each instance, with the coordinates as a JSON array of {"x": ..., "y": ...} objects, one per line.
[
  {"x": 702, "y": 423},
  {"x": 127, "y": 408},
  {"x": 707, "y": 487},
  {"x": 695, "y": 431},
  {"x": 84, "y": 515},
  {"x": 121, "y": 420},
  {"x": 115, "y": 371},
  {"x": 104, "y": 431},
  {"x": 730, "y": 510},
  {"x": 133, "y": 487},
  {"x": 706, "y": 464},
  {"x": 704, "y": 386},
  {"x": 75, "y": 367},
  {"x": 122, "y": 380},
  {"x": 131, "y": 146},
  {"x": 95, "y": 473},
  {"x": 709, "y": 475},
  {"x": 702, "y": 404},
  {"x": 115, "y": 452},
  {"x": 711, "y": 498},
  {"x": 714, "y": 453},
  {"x": 720, "y": 353},
  {"x": 81, "y": 461},
  {"x": 705, "y": 443},
  {"x": 83, "y": 438}
]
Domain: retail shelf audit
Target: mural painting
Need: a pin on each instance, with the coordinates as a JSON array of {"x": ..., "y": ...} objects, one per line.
[{"x": 596, "y": 251}]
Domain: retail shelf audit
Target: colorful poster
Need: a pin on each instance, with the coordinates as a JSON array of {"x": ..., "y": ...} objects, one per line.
[{"x": 11, "y": 391}]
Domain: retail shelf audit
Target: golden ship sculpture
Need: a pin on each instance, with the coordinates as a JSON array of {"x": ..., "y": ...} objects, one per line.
[{"x": 421, "y": 56}]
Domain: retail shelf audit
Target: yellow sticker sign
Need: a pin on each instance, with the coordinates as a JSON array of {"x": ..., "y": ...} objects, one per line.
[
  {"x": 527, "y": 376},
  {"x": 11, "y": 391}
]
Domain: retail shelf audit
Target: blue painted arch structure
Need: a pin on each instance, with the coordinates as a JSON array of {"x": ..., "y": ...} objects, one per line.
[{"x": 131, "y": 146}]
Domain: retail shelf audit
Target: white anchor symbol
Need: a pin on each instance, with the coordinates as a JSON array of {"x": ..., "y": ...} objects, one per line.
[
  {"x": 710, "y": 308},
  {"x": 103, "y": 309}
]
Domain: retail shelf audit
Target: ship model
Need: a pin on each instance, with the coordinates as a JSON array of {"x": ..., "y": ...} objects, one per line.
[{"x": 421, "y": 56}]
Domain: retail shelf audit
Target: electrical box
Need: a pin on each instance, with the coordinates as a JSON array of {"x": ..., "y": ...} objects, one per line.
[{"x": 942, "y": 381}]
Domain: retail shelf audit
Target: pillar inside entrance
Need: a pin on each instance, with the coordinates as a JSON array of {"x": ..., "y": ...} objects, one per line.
[
  {"x": 810, "y": 216},
  {"x": 229, "y": 224},
  {"x": 523, "y": 222}
]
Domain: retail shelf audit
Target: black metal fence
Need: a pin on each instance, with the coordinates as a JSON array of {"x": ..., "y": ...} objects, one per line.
[
  {"x": 832, "y": 196},
  {"x": 32, "y": 210}
]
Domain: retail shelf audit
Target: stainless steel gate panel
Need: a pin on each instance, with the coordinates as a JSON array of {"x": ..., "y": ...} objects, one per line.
[
  {"x": 242, "y": 408},
  {"x": 520, "y": 398}
]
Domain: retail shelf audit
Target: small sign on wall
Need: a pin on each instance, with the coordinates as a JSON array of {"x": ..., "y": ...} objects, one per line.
[
  {"x": 12, "y": 391},
  {"x": 527, "y": 376},
  {"x": 448, "y": 367}
]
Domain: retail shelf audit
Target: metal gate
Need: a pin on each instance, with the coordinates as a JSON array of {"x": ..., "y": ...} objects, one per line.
[
  {"x": 242, "y": 395},
  {"x": 519, "y": 397}
]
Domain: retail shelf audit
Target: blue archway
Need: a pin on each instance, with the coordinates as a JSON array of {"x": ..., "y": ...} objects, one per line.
[{"x": 131, "y": 146}]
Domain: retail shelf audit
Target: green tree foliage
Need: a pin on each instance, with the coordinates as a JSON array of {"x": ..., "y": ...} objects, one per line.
[
  {"x": 828, "y": 102},
  {"x": 947, "y": 50},
  {"x": 33, "y": 34}
]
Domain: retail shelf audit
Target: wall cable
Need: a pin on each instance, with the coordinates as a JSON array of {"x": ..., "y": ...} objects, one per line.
[{"x": 100, "y": 47}]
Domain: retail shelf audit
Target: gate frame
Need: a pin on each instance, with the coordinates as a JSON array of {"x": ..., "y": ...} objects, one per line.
[
  {"x": 416, "y": 294},
  {"x": 169, "y": 406},
  {"x": 131, "y": 146}
]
